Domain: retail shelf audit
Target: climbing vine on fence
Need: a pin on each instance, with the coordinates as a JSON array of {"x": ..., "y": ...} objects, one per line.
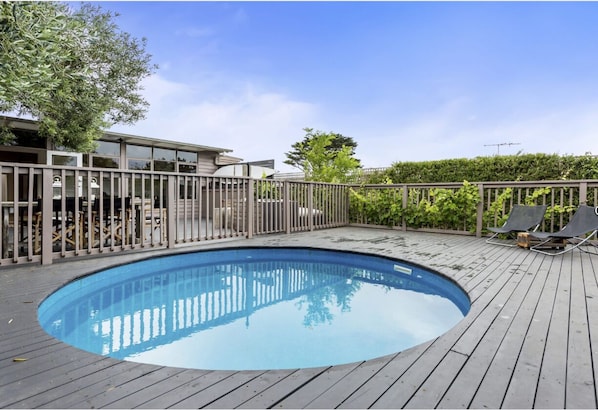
[
  {"x": 499, "y": 209},
  {"x": 441, "y": 208},
  {"x": 452, "y": 208},
  {"x": 376, "y": 206}
]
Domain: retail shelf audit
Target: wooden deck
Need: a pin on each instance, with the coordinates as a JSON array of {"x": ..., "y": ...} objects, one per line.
[{"x": 529, "y": 340}]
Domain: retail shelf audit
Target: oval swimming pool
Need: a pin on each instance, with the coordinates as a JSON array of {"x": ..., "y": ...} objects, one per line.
[{"x": 254, "y": 309}]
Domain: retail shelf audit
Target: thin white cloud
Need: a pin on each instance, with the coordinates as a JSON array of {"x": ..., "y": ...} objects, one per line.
[{"x": 255, "y": 124}]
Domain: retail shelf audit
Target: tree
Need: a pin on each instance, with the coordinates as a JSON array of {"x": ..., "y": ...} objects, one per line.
[
  {"x": 72, "y": 70},
  {"x": 296, "y": 157},
  {"x": 324, "y": 157}
]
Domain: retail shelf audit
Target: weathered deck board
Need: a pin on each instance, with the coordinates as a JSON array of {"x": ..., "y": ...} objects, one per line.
[
  {"x": 161, "y": 384},
  {"x": 72, "y": 381},
  {"x": 181, "y": 390},
  {"x": 251, "y": 389},
  {"x": 528, "y": 340},
  {"x": 316, "y": 387},
  {"x": 217, "y": 390},
  {"x": 550, "y": 392},
  {"x": 501, "y": 343},
  {"x": 120, "y": 393},
  {"x": 522, "y": 388},
  {"x": 507, "y": 332},
  {"x": 366, "y": 395},
  {"x": 338, "y": 392},
  {"x": 432, "y": 390},
  {"x": 268, "y": 397},
  {"x": 579, "y": 391},
  {"x": 104, "y": 383}
]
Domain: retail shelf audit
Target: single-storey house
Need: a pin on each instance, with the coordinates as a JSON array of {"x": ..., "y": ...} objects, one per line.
[{"x": 115, "y": 150}]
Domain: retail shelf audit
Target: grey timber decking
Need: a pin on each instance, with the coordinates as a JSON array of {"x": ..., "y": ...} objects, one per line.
[{"x": 529, "y": 340}]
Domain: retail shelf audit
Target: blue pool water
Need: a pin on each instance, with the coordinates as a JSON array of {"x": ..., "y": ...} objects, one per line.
[{"x": 254, "y": 308}]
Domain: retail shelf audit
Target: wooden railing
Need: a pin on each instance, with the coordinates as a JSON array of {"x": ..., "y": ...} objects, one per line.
[
  {"x": 401, "y": 206},
  {"x": 51, "y": 212}
]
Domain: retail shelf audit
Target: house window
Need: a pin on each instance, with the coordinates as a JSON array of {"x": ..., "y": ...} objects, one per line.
[
  {"x": 164, "y": 159},
  {"x": 108, "y": 148},
  {"x": 184, "y": 156},
  {"x": 139, "y": 157},
  {"x": 163, "y": 166},
  {"x": 187, "y": 162},
  {"x": 106, "y": 155},
  {"x": 26, "y": 138},
  {"x": 139, "y": 165},
  {"x": 188, "y": 169},
  {"x": 103, "y": 162}
]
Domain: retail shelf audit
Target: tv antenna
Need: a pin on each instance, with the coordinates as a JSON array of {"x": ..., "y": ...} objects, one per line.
[{"x": 500, "y": 145}]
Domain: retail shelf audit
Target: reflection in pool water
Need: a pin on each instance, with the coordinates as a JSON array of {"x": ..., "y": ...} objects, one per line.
[{"x": 254, "y": 308}]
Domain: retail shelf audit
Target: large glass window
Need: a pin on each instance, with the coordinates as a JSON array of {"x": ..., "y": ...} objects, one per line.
[
  {"x": 188, "y": 169},
  {"x": 106, "y": 155},
  {"x": 187, "y": 162},
  {"x": 144, "y": 158},
  {"x": 184, "y": 156},
  {"x": 108, "y": 148},
  {"x": 140, "y": 165},
  {"x": 164, "y": 154},
  {"x": 27, "y": 138},
  {"x": 164, "y": 160},
  {"x": 139, "y": 157},
  {"x": 105, "y": 162},
  {"x": 164, "y": 166},
  {"x": 139, "y": 152}
]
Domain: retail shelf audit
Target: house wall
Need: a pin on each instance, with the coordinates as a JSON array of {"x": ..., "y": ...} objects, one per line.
[{"x": 206, "y": 163}]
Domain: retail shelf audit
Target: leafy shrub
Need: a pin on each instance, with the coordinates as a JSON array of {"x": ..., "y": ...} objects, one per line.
[
  {"x": 528, "y": 167},
  {"x": 442, "y": 208}
]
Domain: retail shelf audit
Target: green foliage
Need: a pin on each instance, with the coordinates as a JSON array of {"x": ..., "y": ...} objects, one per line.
[
  {"x": 72, "y": 70},
  {"x": 296, "y": 157},
  {"x": 444, "y": 208},
  {"x": 441, "y": 208},
  {"x": 451, "y": 209},
  {"x": 498, "y": 211},
  {"x": 528, "y": 167},
  {"x": 535, "y": 196},
  {"x": 266, "y": 189},
  {"x": 377, "y": 206},
  {"x": 496, "y": 215},
  {"x": 321, "y": 158}
]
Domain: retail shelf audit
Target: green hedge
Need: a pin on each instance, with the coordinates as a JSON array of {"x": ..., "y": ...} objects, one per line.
[{"x": 528, "y": 167}]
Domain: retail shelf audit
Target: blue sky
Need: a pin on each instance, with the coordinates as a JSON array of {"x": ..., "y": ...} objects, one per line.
[{"x": 408, "y": 81}]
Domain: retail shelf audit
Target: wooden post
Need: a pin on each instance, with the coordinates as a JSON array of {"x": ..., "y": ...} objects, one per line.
[
  {"x": 287, "y": 206},
  {"x": 250, "y": 207},
  {"x": 47, "y": 215},
  {"x": 171, "y": 215},
  {"x": 480, "y": 212}
]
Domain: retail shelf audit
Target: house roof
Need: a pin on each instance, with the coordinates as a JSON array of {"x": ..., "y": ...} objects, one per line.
[{"x": 160, "y": 143}]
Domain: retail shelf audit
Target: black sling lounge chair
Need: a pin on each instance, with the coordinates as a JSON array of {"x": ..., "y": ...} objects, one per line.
[
  {"x": 521, "y": 219},
  {"x": 582, "y": 227}
]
